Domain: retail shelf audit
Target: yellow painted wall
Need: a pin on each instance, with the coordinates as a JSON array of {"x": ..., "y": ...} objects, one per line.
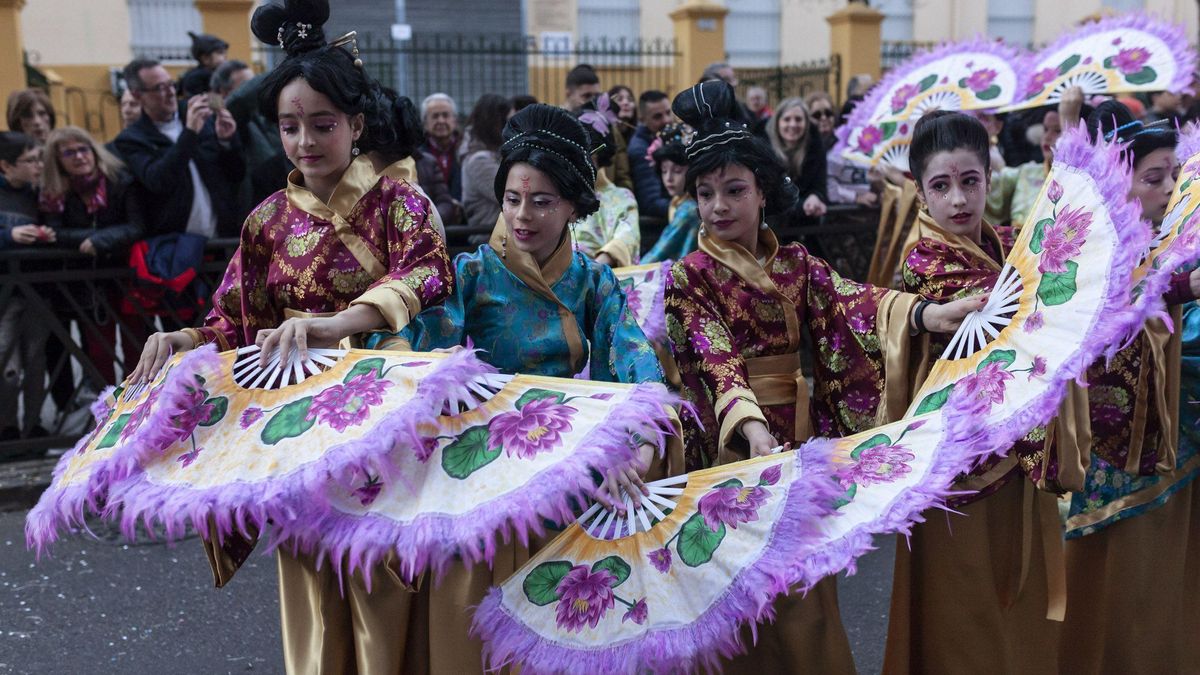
[{"x": 76, "y": 31}]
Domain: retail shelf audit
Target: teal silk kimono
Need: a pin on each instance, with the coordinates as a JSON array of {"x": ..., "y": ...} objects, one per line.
[
  {"x": 520, "y": 331},
  {"x": 680, "y": 237}
]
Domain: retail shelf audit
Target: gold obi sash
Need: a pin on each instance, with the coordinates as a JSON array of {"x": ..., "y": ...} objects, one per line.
[{"x": 778, "y": 380}]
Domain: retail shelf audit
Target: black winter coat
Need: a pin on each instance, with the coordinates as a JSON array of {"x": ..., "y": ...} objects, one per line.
[{"x": 112, "y": 229}]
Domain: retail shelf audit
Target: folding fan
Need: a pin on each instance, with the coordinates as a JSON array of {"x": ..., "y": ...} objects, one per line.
[
  {"x": 667, "y": 590},
  {"x": 644, "y": 286},
  {"x": 972, "y": 75},
  {"x": 1176, "y": 244},
  {"x": 1120, "y": 53}
]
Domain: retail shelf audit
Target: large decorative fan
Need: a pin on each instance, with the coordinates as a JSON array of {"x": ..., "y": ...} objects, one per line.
[
  {"x": 1176, "y": 244},
  {"x": 644, "y": 286},
  {"x": 972, "y": 75},
  {"x": 1120, "y": 53},
  {"x": 738, "y": 535},
  {"x": 227, "y": 415}
]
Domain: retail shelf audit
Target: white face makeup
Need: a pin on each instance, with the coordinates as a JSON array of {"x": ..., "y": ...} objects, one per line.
[
  {"x": 534, "y": 211},
  {"x": 731, "y": 204},
  {"x": 1153, "y": 183},
  {"x": 317, "y": 137},
  {"x": 954, "y": 187}
]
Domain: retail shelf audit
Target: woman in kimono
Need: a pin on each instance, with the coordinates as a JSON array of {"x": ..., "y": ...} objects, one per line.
[
  {"x": 987, "y": 579},
  {"x": 341, "y": 251},
  {"x": 683, "y": 219},
  {"x": 735, "y": 309},
  {"x": 1133, "y": 531},
  {"x": 533, "y": 305},
  {"x": 611, "y": 234}
]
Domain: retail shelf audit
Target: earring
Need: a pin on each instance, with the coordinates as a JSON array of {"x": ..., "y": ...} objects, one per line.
[
  {"x": 762, "y": 218},
  {"x": 703, "y": 232},
  {"x": 504, "y": 246},
  {"x": 923, "y": 208},
  {"x": 354, "y": 151}
]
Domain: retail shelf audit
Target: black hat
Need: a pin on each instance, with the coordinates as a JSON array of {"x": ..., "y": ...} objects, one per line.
[{"x": 205, "y": 44}]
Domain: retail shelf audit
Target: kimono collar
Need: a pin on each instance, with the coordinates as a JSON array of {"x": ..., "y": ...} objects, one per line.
[
  {"x": 929, "y": 229},
  {"x": 359, "y": 179},
  {"x": 743, "y": 263},
  {"x": 539, "y": 278},
  {"x": 405, "y": 170}
]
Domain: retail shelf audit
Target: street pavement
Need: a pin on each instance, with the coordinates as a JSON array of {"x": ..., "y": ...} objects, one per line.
[{"x": 102, "y": 605}]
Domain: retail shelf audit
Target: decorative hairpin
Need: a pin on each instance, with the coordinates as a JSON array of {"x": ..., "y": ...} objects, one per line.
[
  {"x": 700, "y": 145},
  {"x": 351, "y": 39},
  {"x": 301, "y": 33},
  {"x": 1136, "y": 124}
]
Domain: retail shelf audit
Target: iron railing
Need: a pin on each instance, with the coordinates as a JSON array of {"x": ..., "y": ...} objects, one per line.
[{"x": 795, "y": 80}]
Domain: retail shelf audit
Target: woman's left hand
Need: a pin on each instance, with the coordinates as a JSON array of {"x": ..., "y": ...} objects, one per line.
[
  {"x": 946, "y": 318},
  {"x": 605, "y": 259},
  {"x": 299, "y": 334},
  {"x": 629, "y": 478},
  {"x": 87, "y": 247},
  {"x": 814, "y": 207}
]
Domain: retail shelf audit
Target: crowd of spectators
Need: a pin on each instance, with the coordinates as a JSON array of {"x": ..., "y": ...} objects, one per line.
[{"x": 195, "y": 155}]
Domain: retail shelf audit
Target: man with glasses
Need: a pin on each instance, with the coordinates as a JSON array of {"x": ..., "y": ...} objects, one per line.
[{"x": 190, "y": 168}]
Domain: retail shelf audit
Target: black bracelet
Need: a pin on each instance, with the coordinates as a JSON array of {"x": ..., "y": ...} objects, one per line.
[{"x": 919, "y": 317}]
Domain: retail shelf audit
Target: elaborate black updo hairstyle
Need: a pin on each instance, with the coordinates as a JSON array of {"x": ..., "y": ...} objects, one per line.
[
  {"x": 672, "y": 147},
  {"x": 946, "y": 131},
  {"x": 1111, "y": 119},
  {"x": 723, "y": 138},
  {"x": 391, "y": 124},
  {"x": 599, "y": 116},
  {"x": 554, "y": 142}
]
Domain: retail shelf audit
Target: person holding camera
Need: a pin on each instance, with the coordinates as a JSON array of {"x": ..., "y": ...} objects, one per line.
[{"x": 188, "y": 163}]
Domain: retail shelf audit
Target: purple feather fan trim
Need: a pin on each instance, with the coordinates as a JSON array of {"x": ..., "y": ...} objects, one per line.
[
  {"x": 434, "y": 541},
  {"x": 237, "y": 504},
  {"x": 717, "y": 632},
  {"x": 1181, "y": 254},
  {"x": 1116, "y": 318},
  {"x": 156, "y": 433},
  {"x": 60, "y": 508},
  {"x": 1170, "y": 33},
  {"x": 656, "y": 324},
  {"x": 860, "y": 116}
]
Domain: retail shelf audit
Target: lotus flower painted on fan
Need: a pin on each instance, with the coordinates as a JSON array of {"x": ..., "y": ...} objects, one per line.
[
  {"x": 349, "y": 404},
  {"x": 535, "y": 427},
  {"x": 980, "y": 80}
]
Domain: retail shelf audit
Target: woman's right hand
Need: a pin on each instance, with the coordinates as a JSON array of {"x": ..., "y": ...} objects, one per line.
[
  {"x": 158, "y": 350},
  {"x": 761, "y": 441}
]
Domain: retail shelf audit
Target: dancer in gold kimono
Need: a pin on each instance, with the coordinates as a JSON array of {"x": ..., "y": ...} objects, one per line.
[
  {"x": 735, "y": 310},
  {"x": 343, "y": 250},
  {"x": 971, "y": 594},
  {"x": 1133, "y": 531}
]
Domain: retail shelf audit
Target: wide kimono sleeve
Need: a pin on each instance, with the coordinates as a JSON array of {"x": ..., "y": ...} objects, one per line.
[
  {"x": 620, "y": 350},
  {"x": 441, "y": 326},
  {"x": 614, "y": 229},
  {"x": 240, "y": 306},
  {"x": 679, "y": 238},
  {"x": 864, "y": 365},
  {"x": 712, "y": 369},
  {"x": 418, "y": 273},
  {"x": 937, "y": 272}
]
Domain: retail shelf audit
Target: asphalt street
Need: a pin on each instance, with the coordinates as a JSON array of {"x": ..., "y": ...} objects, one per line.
[{"x": 102, "y": 605}]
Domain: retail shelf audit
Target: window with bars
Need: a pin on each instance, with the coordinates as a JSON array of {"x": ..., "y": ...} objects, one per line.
[
  {"x": 752, "y": 33},
  {"x": 1011, "y": 20},
  {"x": 159, "y": 28}
]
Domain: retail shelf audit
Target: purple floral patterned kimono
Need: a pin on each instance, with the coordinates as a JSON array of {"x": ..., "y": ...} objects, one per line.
[
  {"x": 735, "y": 329},
  {"x": 373, "y": 243}
]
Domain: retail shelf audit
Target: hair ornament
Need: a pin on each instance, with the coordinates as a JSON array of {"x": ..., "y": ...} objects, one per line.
[
  {"x": 1141, "y": 128},
  {"x": 700, "y": 145},
  {"x": 351, "y": 39}
]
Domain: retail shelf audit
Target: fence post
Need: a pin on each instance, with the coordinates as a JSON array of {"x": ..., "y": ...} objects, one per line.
[
  {"x": 854, "y": 38},
  {"x": 12, "y": 48},
  {"x": 230, "y": 21},
  {"x": 699, "y": 38}
]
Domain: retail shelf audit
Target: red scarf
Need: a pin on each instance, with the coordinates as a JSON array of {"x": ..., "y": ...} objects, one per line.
[{"x": 92, "y": 190}]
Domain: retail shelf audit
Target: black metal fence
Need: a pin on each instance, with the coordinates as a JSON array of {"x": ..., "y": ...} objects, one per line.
[
  {"x": 468, "y": 66},
  {"x": 892, "y": 54},
  {"x": 795, "y": 80}
]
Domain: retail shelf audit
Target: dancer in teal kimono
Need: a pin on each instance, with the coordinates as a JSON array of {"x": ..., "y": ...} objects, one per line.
[{"x": 669, "y": 153}]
